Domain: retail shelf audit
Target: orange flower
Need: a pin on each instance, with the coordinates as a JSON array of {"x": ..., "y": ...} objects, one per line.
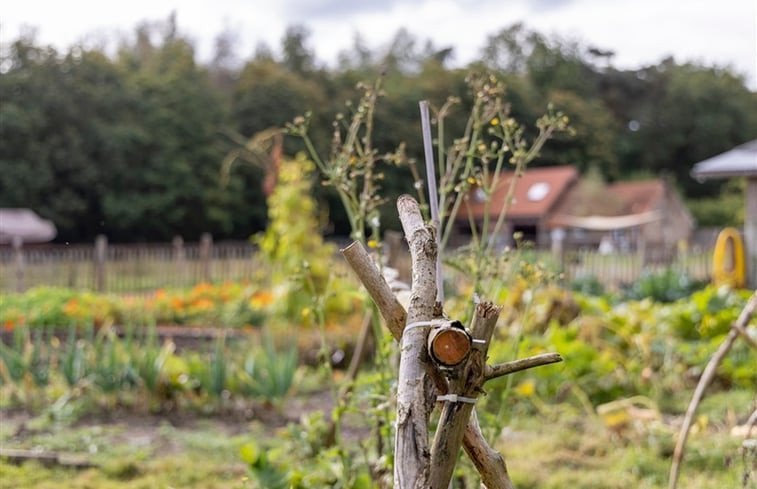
[
  {"x": 176, "y": 303},
  {"x": 8, "y": 326},
  {"x": 261, "y": 299},
  {"x": 71, "y": 308},
  {"x": 203, "y": 304},
  {"x": 226, "y": 292},
  {"x": 160, "y": 294},
  {"x": 202, "y": 288}
]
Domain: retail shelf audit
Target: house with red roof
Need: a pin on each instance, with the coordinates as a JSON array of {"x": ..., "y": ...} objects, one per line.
[
  {"x": 637, "y": 215},
  {"x": 557, "y": 203},
  {"x": 537, "y": 193}
]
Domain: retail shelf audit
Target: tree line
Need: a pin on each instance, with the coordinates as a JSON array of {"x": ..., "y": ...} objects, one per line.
[{"x": 130, "y": 144}]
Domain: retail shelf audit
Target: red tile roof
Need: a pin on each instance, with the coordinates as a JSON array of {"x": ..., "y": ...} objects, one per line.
[
  {"x": 536, "y": 192},
  {"x": 638, "y": 196}
]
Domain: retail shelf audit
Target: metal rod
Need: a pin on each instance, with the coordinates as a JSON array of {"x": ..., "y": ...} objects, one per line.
[{"x": 432, "y": 195}]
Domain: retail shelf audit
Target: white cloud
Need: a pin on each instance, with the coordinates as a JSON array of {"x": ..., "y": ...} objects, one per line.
[{"x": 640, "y": 32}]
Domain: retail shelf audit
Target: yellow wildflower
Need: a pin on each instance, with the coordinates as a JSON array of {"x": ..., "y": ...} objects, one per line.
[{"x": 526, "y": 388}]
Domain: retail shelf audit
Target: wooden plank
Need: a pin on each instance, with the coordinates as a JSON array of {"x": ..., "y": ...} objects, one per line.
[{"x": 71, "y": 460}]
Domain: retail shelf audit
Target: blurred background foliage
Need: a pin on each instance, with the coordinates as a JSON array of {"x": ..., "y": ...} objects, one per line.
[{"x": 129, "y": 143}]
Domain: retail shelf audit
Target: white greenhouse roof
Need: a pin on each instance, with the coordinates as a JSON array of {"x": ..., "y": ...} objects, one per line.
[
  {"x": 741, "y": 161},
  {"x": 26, "y": 225}
]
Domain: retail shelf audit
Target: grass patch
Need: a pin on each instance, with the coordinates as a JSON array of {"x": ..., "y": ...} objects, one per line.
[{"x": 133, "y": 454}]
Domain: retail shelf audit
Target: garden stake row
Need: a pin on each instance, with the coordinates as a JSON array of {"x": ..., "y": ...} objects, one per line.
[{"x": 451, "y": 373}]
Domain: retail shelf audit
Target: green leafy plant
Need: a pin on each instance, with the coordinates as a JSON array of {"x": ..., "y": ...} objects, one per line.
[
  {"x": 150, "y": 358},
  {"x": 73, "y": 363},
  {"x": 13, "y": 357},
  {"x": 39, "y": 360},
  {"x": 107, "y": 367},
  {"x": 667, "y": 285},
  {"x": 218, "y": 368},
  {"x": 269, "y": 373}
]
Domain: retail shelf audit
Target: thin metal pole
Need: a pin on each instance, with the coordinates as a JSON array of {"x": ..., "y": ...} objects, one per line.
[{"x": 432, "y": 196}]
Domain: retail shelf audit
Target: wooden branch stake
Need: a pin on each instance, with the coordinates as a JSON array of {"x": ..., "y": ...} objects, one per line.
[
  {"x": 489, "y": 462},
  {"x": 704, "y": 381},
  {"x": 390, "y": 308},
  {"x": 468, "y": 383},
  {"x": 494, "y": 371},
  {"x": 420, "y": 380},
  {"x": 414, "y": 389}
]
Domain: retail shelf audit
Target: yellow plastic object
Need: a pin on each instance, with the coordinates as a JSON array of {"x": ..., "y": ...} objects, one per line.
[{"x": 728, "y": 265}]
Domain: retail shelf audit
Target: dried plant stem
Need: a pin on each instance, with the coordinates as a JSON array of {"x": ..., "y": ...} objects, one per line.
[
  {"x": 360, "y": 347},
  {"x": 745, "y": 335},
  {"x": 704, "y": 381}
]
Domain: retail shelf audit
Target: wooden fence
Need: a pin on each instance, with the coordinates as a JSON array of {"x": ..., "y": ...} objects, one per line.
[
  {"x": 132, "y": 268},
  {"x": 615, "y": 270},
  {"x": 108, "y": 267}
]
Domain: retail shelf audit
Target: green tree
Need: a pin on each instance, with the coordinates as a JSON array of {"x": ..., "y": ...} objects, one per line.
[
  {"x": 298, "y": 57},
  {"x": 62, "y": 127},
  {"x": 692, "y": 112},
  {"x": 171, "y": 185},
  {"x": 592, "y": 140}
]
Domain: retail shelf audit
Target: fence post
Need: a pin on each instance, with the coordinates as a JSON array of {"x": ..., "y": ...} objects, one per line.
[
  {"x": 180, "y": 260},
  {"x": 69, "y": 255},
  {"x": 18, "y": 251},
  {"x": 206, "y": 248},
  {"x": 750, "y": 231},
  {"x": 101, "y": 254}
]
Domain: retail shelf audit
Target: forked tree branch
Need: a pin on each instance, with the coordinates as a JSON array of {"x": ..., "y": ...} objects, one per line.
[
  {"x": 489, "y": 463},
  {"x": 416, "y": 465},
  {"x": 467, "y": 382}
]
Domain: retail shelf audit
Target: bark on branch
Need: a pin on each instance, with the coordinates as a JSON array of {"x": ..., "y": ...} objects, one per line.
[
  {"x": 468, "y": 383},
  {"x": 419, "y": 382},
  {"x": 489, "y": 463},
  {"x": 414, "y": 388},
  {"x": 500, "y": 369},
  {"x": 391, "y": 310}
]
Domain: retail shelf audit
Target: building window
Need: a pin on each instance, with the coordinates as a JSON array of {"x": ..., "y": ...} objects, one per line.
[{"x": 538, "y": 191}]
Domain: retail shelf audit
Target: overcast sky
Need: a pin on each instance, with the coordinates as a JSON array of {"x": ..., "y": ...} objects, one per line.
[{"x": 641, "y": 32}]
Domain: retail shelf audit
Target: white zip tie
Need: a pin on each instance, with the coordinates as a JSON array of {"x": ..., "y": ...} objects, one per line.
[
  {"x": 418, "y": 324},
  {"x": 456, "y": 398}
]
